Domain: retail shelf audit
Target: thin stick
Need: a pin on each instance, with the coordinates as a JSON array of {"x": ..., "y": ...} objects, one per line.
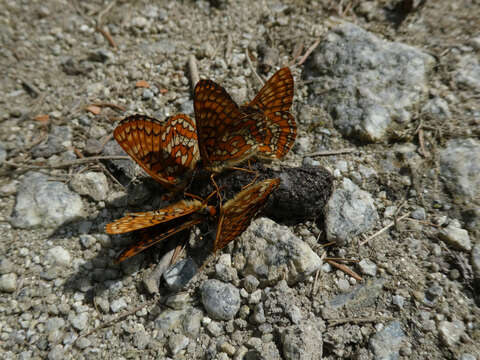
[
  {"x": 102, "y": 13},
  {"x": 192, "y": 67},
  {"x": 381, "y": 231},
  {"x": 111, "y": 105},
  {"x": 106, "y": 34},
  {"x": 308, "y": 52},
  {"x": 120, "y": 317},
  {"x": 359, "y": 320},
  {"x": 66, "y": 164},
  {"x": 345, "y": 269},
  {"x": 342, "y": 259},
  {"x": 260, "y": 80},
  {"x": 332, "y": 152}
]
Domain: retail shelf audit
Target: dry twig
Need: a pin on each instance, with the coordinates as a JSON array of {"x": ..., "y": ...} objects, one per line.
[
  {"x": 345, "y": 269},
  {"x": 381, "y": 231},
  {"x": 332, "y": 152},
  {"x": 193, "y": 69},
  {"x": 259, "y": 78},
  {"x": 359, "y": 320},
  {"x": 65, "y": 164}
]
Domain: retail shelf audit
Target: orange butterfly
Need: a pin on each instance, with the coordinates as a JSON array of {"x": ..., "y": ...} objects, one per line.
[
  {"x": 235, "y": 216},
  {"x": 167, "y": 152},
  {"x": 229, "y": 134}
]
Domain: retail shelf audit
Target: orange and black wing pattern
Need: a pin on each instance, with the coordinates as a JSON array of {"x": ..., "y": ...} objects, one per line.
[
  {"x": 166, "y": 151},
  {"x": 150, "y": 238},
  {"x": 237, "y": 213},
  {"x": 272, "y": 105},
  {"x": 226, "y": 135},
  {"x": 141, "y": 220}
]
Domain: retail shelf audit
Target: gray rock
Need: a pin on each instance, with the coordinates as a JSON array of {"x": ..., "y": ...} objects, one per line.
[
  {"x": 302, "y": 342},
  {"x": 215, "y": 329},
  {"x": 221, "y": 300},
  {"x": 58, "y": 255},
  {"x": 54, "y": 323},
  {"x": 419, "y": 214},
  {"x": 87, "y": 241},
  {"x": 141, "y": 339},
  {"x": 79, "y": 321},
  {"x": 177, "y": 343},
  {"x": 370, "y": 81},
  {"x": 45, "y": 203},
  {"x": 437, "y": 108},
  {"x": 250, "y": 283},
  {"x": 179, "y": 274},
  {"x": 258, "y": 316},
  {"x": 118, "y": 305},
  {"x": 152, "y": 279},
  {"x": 468, "y": 74},
  {"x": 57, "y": 353},
  {"x": 467, "y": 357},
  {"x": 178, "y": 301},
  {"x": 3, "y": 152},
  {"x": 8, "y": 283},
  {"x": 456, "y": 237},
  {"x": 93, "y": 184},
  {"x": 476, "y": 259},
  {"x": 368, "y": 267},
  {"x": 192, "y": 322},
  {"x": 460, "y": 166},
  {"x": 349, "y": 212},
  {"x": 274, "y": 252},
  {"x": 6, "y": 266},
  {"x": 386, "y": 343},
  {"x": 100, "y": 55},
  {"x": 398, "y": 300},
  {"x": 451, "y": 332},
  {"x": 147, "y": 94},
  {"x": 59, "y": 140},
  {"x": 362, "y": 296},
  {"x": 83, "y": 343},
  {"x": 169, "y": 319}
]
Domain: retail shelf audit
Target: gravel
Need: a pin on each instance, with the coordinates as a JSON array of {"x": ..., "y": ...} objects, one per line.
[{"x": 387, "y": 118}]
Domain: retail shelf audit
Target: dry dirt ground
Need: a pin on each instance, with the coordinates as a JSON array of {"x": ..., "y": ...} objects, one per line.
[{"x": 55, "y": 61}]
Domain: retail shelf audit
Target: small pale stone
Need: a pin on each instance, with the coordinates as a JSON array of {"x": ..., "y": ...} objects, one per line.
[
  {"x": 60, "y": 256},
  {"x": 368, "y": 267},
  {"x": 8, "y": 283},
  {"x": 177, "y": 343},
  {"x": 456, "y": 237},
  {"x": 118, "y": 305}
]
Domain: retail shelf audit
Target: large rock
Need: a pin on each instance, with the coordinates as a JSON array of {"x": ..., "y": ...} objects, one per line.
[
  {"x": 349, "y": 212},
  {"x": 273, "y": 252},
  {"x": 45, "y": 203},
  {"x": 366, "y": 83},
  {"x": 460, "y": 167}
]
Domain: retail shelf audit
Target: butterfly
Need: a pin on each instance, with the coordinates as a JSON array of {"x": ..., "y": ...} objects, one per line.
[
  {"x": 229, "y": 134},
  {"x": 179, "y": 216},
  {"x": 234, "y": 218},
  {"x": 237, "y": 214},
  {"x": 168, "y": 151}
]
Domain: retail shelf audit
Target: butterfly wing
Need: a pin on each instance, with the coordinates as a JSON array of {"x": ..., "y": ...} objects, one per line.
[
  {"x": 149, "y": 239},
  {"x": 273, "y": 103},
  {"x": 237, "y": 213},
  {"x": 141, "y": 220},
  {"x": 167, "y": 152},
  {"x": 226, "y": 135}
]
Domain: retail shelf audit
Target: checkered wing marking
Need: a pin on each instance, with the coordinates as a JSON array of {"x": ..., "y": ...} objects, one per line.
[
  {"x": 148, "y": 240},
  {"x": 165, "y": 151},
  {"x": 237, "y": 213},
  {"x": 273, "y": 103},
  {"x": 226, "y": 135},
  {"x": 141, "y": 220}
]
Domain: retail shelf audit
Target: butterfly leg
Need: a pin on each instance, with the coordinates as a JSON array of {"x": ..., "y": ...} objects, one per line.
[{"x": 248, "y": 171}]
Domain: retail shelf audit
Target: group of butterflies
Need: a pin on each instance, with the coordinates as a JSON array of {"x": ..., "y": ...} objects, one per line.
[{"x": 222, "y": 136}]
